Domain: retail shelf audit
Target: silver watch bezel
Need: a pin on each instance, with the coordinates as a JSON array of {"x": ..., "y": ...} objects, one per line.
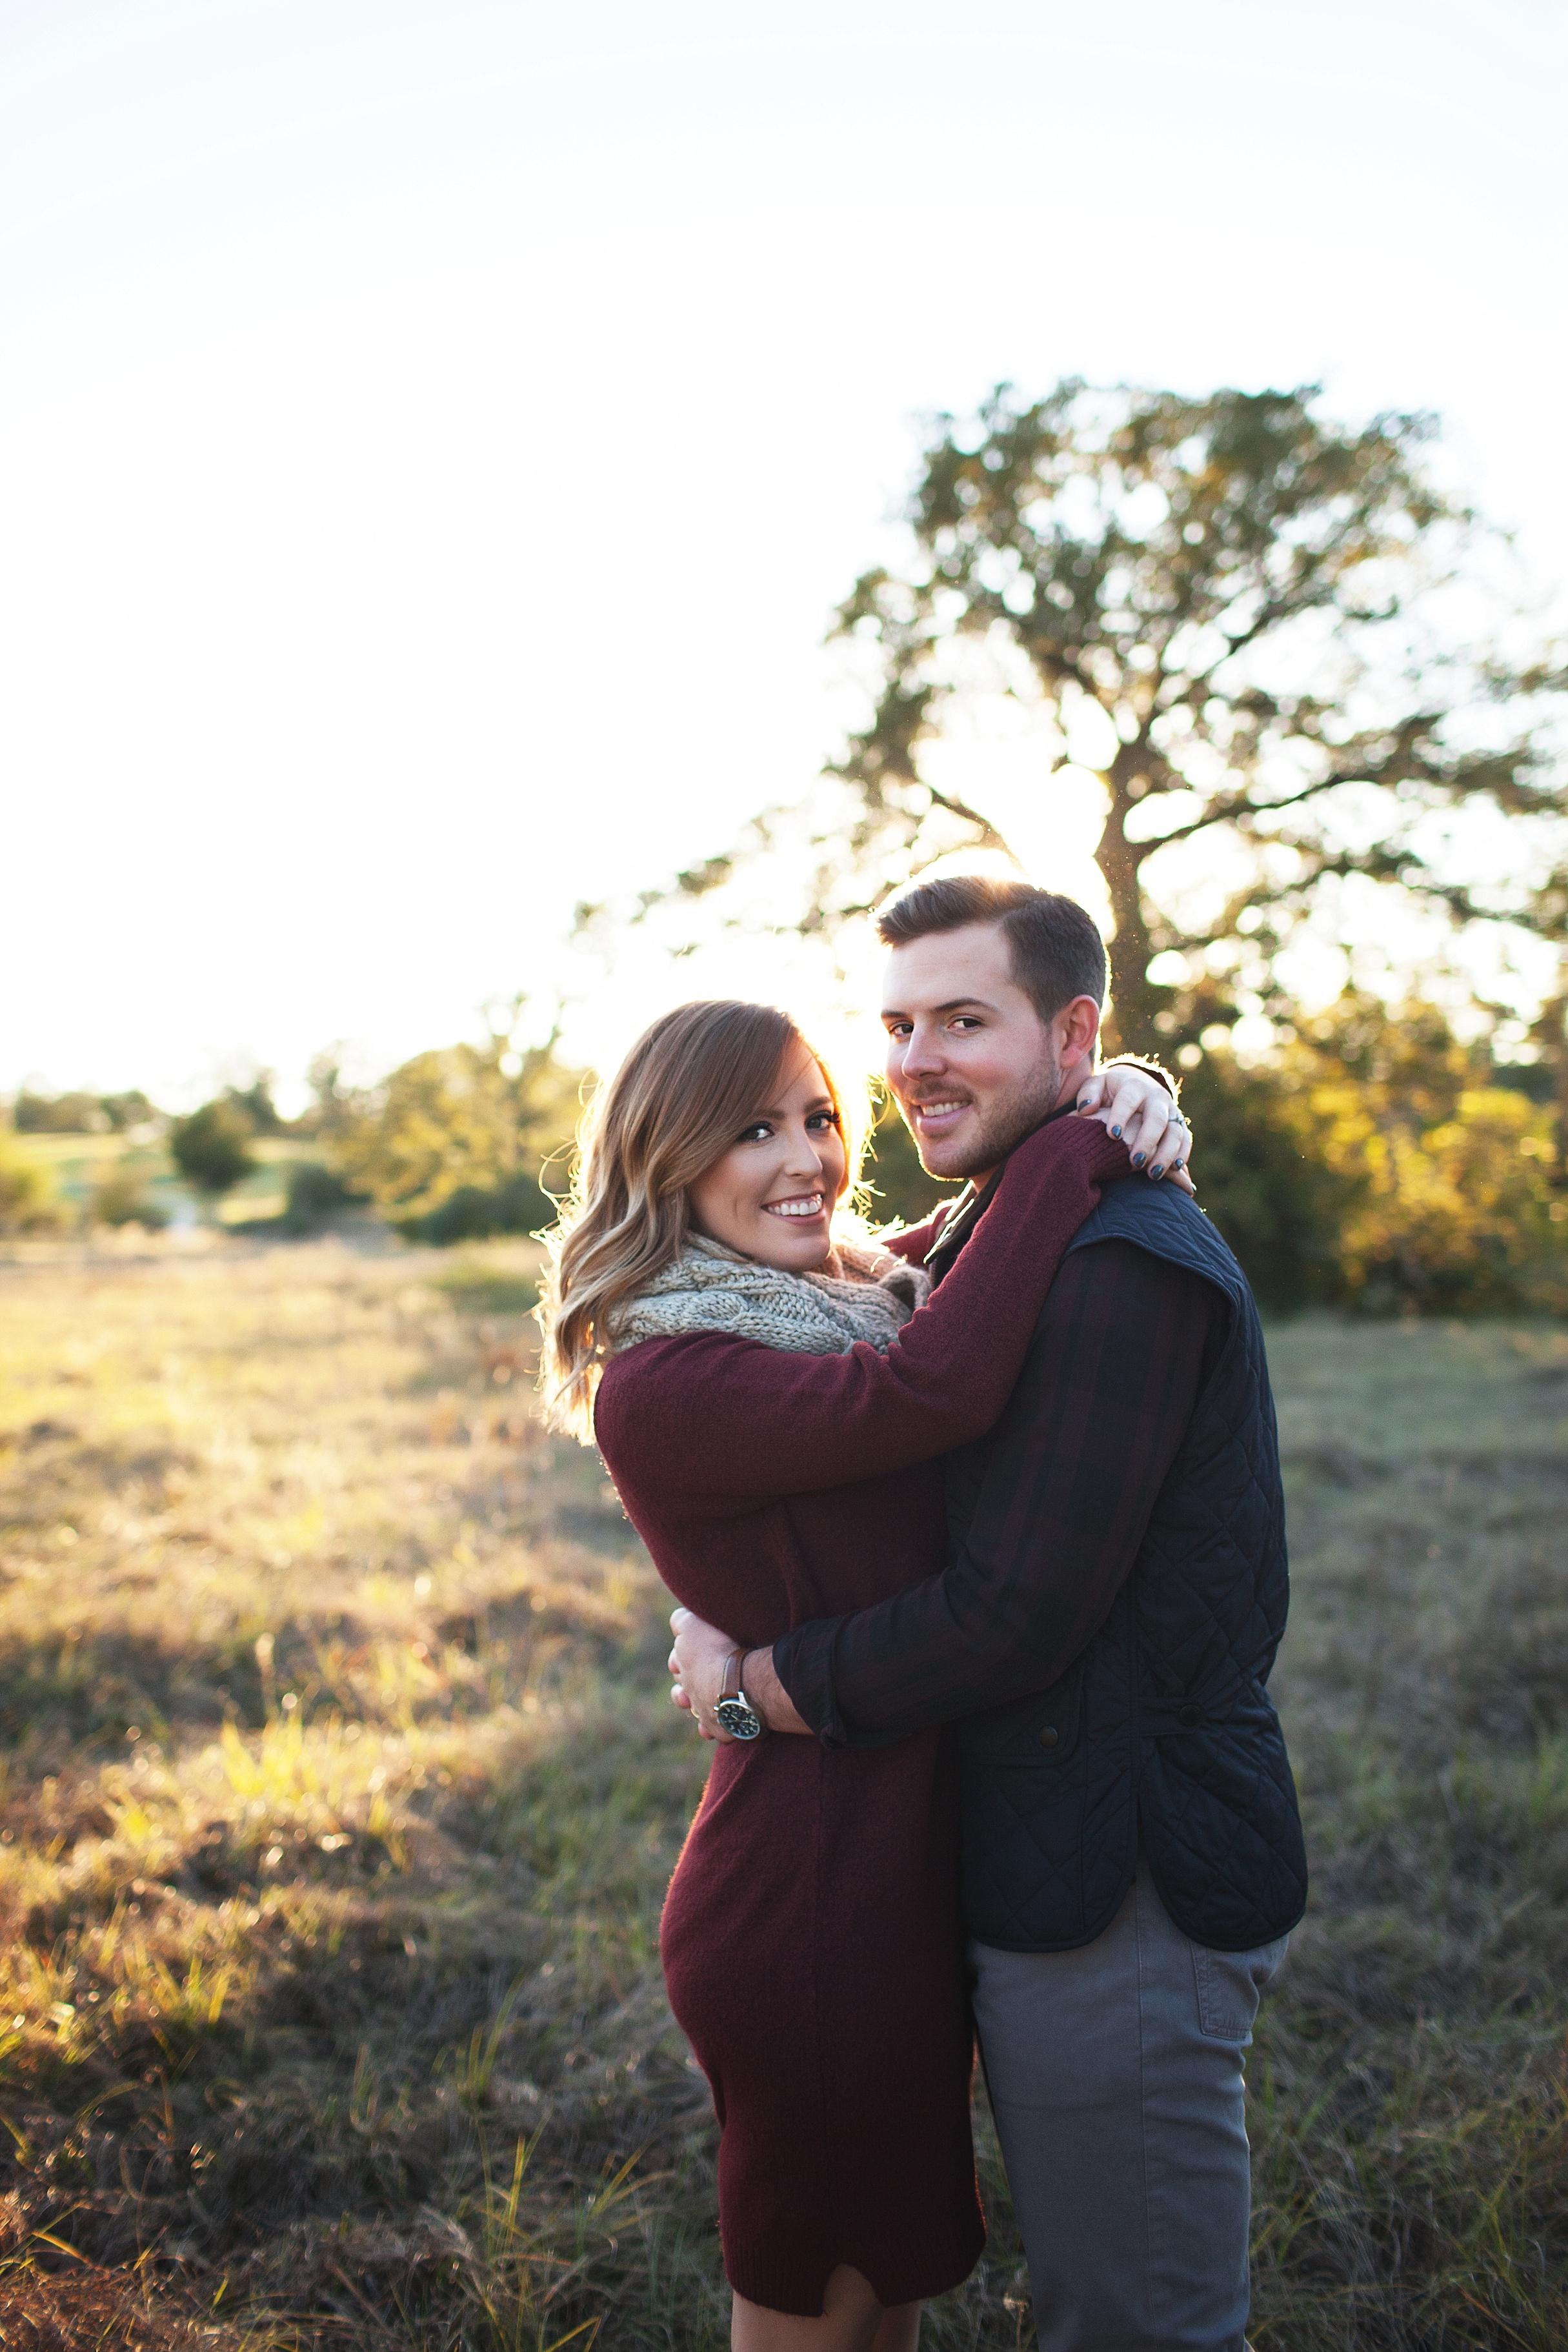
[{"x": 738, "y": 1717}]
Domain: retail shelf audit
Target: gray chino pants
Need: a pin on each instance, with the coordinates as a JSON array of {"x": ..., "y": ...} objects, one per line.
[{"x": 1115, "y": 2075}]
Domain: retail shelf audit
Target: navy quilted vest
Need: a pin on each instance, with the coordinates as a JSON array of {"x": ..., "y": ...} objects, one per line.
[{"x": 1164, "y": 1732}]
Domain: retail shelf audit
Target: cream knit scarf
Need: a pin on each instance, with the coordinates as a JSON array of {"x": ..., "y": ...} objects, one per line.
[{"x": 711, "y": 1289}]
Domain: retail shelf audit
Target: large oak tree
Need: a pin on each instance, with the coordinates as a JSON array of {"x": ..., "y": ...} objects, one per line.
[{"x": 1247, "y": 622}]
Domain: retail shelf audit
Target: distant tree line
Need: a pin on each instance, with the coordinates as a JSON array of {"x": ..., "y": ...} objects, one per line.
[
  {"x": 82, "y": 1113},
  {"x": 1371, "y": 1161}
]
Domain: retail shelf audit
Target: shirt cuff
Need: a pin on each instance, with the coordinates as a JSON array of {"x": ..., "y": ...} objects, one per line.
[{"x": 803, "y": 1661}]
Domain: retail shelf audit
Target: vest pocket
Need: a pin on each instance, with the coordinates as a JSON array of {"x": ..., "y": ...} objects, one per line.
[{"x": 1042, "y": 1727}]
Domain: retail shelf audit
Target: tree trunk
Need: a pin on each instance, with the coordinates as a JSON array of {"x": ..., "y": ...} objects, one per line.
[
  {"x": 1131, "y": 1028},
  {"x": 1551, "y": 1033}
]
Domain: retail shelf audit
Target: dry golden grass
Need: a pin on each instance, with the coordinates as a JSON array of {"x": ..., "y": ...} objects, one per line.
[
  {"x": 340, "y": 1793},
  {"x": 328, "y": 1890}
]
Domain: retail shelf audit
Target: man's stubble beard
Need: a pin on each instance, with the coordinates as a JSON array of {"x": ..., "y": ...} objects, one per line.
[{"x": 1005, "y": 1122}]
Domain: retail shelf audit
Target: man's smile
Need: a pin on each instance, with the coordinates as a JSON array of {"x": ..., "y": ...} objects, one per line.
[{"x": 930, "y": 1114}]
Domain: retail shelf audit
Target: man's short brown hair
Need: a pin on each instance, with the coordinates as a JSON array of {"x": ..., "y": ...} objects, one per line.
[{"x": 1056, "y": 950}]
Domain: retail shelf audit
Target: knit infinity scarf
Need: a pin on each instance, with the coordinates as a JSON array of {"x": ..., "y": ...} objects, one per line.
[{"x": 711, "y": 1289}]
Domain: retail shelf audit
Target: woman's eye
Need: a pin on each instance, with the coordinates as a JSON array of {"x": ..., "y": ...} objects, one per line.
[
  {"x": 758, "y": 1132},
  {"x": 823, "y": 1119}
]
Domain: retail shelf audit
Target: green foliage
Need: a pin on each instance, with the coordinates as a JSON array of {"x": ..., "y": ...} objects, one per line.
[
  {"x": 211, "y": 1147},
  {"x": 121, "y": 1197},
  {"x": 1223, "y": 589},
  {"x": 1376, "y": 1162},
  {"x": 472, "y": 1213},
  {"x": 127, "y": 1110},
  {"x": 451, "y": 1146},
  {"x": 316, "y": 1193},
  {"x": 254, "y": 1104},
  {"x": 82, "y": 1113},
  {"x": 28, "y": 1203},
  {"x": 69, "y": 1114},
  {"x": 1227, "y": 609}
]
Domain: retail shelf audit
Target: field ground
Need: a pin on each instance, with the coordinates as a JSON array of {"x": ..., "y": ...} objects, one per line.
[{"x": 341, "y": 1792}]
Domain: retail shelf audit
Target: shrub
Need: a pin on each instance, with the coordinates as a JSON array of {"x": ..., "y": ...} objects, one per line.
[
  {"x": 1375, "y": 1163},
  {"x": 473, "y": 1215},
  {"x": 211, "y": 1147},
  {"x": 28, "y": 1203},
  {"x": 121, "y": 1198},
  {"x": 315, "y": 1194}
]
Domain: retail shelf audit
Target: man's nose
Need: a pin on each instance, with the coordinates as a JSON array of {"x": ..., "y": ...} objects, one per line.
[{"x": 921, "y": 1053}]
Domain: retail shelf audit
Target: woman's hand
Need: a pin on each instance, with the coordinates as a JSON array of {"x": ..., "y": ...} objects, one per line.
[{"x": 1138, "y": 1108}]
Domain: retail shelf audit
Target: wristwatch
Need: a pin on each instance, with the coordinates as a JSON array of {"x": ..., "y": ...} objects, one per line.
[{"x": 732, "y": 1710}]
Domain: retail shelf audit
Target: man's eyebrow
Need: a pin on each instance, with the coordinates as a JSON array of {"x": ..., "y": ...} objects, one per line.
[{"x": 953, "y": 1005}]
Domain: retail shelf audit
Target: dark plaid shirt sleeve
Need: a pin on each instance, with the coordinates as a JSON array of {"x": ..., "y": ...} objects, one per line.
[{"x": 1070, "y": 1476}]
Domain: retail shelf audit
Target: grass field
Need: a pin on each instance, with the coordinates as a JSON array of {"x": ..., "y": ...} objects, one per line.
[{"x": 341, "y": 1792}]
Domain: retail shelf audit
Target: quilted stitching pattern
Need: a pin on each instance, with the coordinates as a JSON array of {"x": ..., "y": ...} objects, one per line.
[{"x": 1049, "y": 1851}]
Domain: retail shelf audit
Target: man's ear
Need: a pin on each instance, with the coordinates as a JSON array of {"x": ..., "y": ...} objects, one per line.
[{"x": 1077, "y": 1032}]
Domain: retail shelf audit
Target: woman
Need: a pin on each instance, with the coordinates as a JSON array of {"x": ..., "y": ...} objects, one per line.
[{"x": 772, "y": 1407}]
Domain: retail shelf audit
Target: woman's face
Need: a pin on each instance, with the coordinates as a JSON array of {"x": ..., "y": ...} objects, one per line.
[{"x": 771, "y": 1195}]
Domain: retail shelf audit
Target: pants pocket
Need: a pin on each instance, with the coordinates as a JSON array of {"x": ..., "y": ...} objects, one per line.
[{"x": 1231, "y": 1984}]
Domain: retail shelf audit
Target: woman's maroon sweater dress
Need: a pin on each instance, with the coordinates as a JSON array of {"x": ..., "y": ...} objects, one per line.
[{"x": 812, "y": 1941}]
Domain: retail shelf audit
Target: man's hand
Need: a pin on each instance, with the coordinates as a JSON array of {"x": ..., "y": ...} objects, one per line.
[{"x": 697, "y": 1664}]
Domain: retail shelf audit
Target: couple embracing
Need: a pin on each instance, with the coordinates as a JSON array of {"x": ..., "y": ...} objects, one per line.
[{"x": 979, "y": 1538}]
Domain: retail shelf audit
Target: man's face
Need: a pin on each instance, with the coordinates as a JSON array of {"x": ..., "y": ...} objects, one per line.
[{"x": 973, "y": 1068}]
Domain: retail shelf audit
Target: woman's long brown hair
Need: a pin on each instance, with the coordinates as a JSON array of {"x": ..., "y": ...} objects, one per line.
[{"x": 682, "y": 1095}]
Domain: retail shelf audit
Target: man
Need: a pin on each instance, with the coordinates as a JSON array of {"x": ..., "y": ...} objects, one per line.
[{"x": 1102, "y": 1637}]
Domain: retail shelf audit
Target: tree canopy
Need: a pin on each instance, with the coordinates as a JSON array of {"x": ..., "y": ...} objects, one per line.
[
  {"x": 464, "y": 1125},
  {"x": 1248, "y": 623}
]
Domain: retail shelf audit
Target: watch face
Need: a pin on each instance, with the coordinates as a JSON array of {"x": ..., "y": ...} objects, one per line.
[{"x": 739, "y": 1717}]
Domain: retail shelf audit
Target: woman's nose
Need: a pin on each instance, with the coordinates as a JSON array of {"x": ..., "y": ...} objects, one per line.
[{"x": 804, "y": 1157}]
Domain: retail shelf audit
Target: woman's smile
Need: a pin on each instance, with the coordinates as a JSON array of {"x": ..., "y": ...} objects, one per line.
[{"x": 771, "y": 1195}]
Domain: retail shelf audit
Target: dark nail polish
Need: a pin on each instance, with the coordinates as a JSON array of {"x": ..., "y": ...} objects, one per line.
[
  {"x": 1156, "y": 1171},
  {"x": 1138, "y": 1157},
  {"x": 1117, "y": 1132}
]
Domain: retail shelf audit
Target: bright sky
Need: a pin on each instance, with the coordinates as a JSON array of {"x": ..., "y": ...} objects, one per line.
[{"x": 433, "y": 434}]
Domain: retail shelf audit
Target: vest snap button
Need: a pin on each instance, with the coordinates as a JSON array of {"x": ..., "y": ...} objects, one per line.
[
  {"x": 1049, "y": 1735},
  {"x": 1189, "y": 1715}
]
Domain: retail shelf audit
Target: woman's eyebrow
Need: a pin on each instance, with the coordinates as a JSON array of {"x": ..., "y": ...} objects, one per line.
[{"x": 817, "y": 1102}]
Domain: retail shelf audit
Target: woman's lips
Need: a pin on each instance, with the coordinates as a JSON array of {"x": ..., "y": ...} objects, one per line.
[{"x": 801, "y": 1211}]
